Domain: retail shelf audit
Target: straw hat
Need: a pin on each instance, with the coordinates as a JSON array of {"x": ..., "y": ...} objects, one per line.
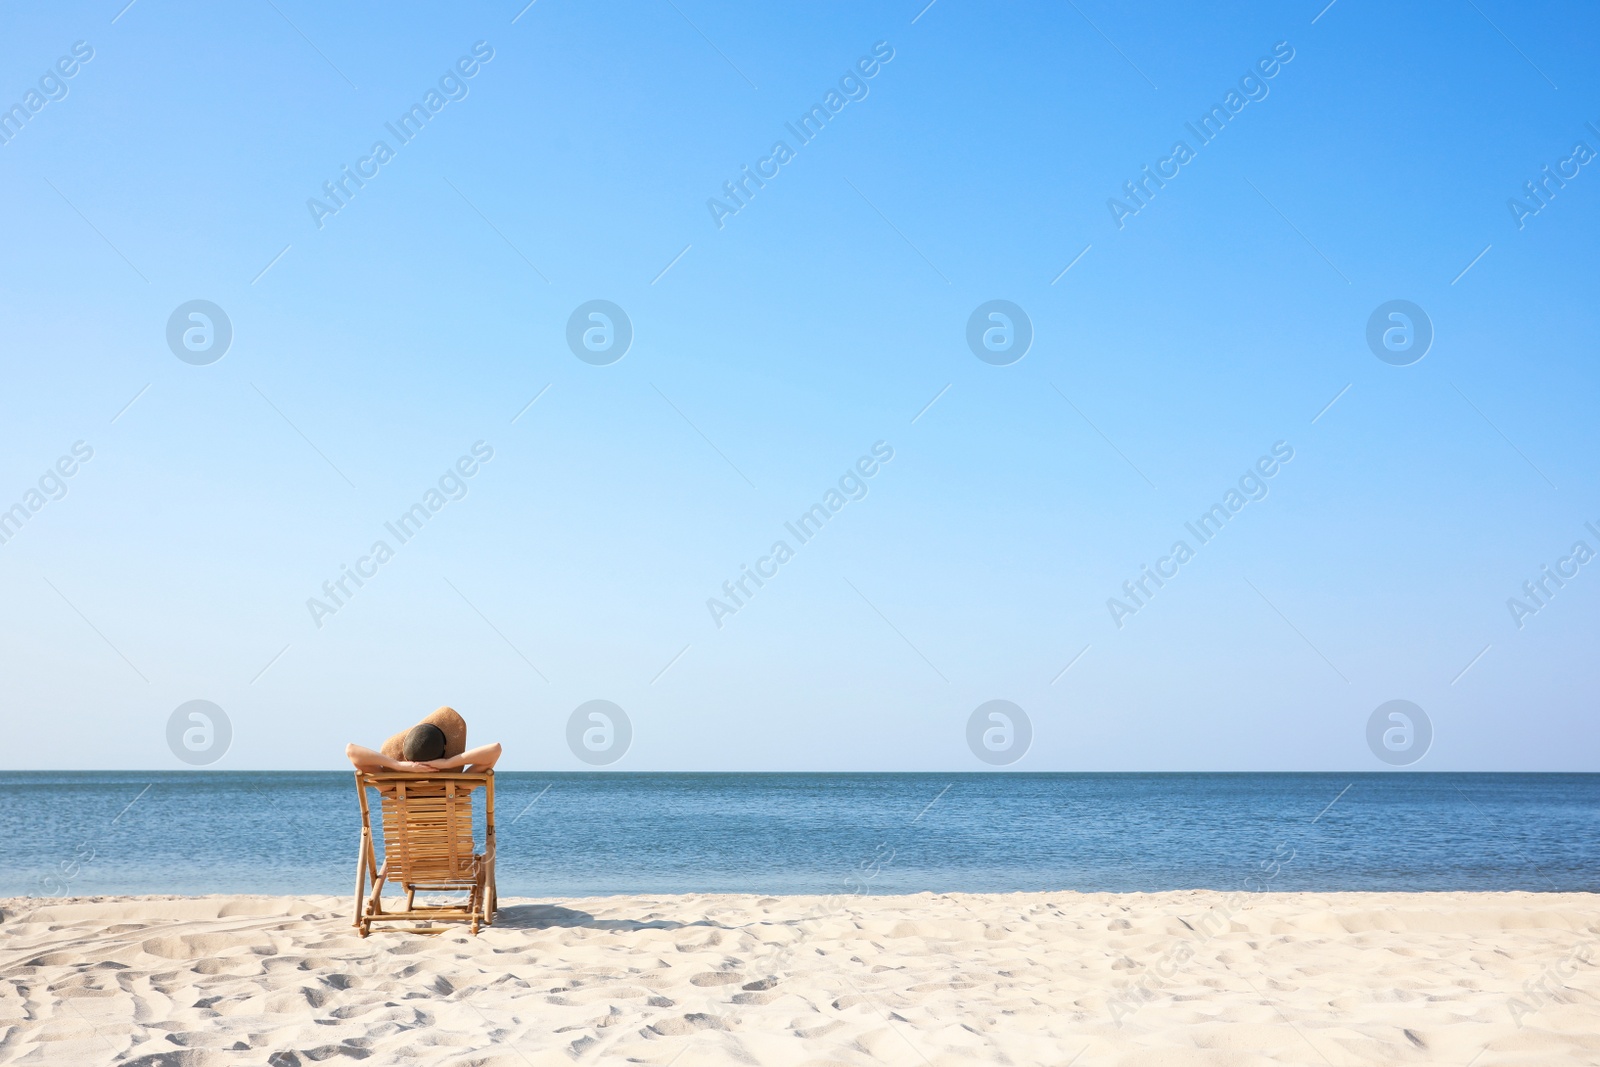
[{"x": 447, "y": 720}]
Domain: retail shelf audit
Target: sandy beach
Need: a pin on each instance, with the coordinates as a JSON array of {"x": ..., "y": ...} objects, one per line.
[{"x": 1178, "y": 978}]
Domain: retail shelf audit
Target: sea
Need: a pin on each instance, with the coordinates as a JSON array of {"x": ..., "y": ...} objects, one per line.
[{"x": 585, "y": 834}]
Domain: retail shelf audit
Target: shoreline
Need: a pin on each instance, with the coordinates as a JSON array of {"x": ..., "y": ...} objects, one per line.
[
  {"x": 11, "y": 905},
  {"x": 1182, "y": 977}
]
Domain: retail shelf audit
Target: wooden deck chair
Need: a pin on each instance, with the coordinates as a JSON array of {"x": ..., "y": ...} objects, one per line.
[{"x": 427, "y": 847}]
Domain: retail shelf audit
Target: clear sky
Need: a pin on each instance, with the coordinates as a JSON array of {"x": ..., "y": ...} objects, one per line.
[{"x": 969, "y": 153}]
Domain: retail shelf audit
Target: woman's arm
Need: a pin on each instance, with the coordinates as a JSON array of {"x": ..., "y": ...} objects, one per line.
[
  {"x": 482, "y": 758},
  {"x": 365, "y": 759}
]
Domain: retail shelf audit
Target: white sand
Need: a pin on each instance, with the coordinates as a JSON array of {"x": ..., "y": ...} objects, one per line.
[{"x": 1042, "y": 978}]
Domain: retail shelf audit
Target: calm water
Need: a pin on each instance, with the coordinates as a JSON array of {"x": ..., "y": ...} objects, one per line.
[{"x": 572, "y": 834}]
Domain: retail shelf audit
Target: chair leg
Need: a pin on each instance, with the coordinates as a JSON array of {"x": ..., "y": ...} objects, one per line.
[
  {"x": 489, "y": 894},
  {"x": 361, "y": 878},
  {"x": 375, "y": 903}
]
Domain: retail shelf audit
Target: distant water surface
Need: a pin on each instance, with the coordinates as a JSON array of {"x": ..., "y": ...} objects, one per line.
[{"x": 84, "y": 833}]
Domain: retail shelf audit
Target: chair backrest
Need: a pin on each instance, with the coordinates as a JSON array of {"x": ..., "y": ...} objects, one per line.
[{"x": 427, "y": 824}]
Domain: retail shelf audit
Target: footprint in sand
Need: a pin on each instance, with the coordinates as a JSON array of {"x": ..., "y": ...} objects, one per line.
[
  {"x": 712, "y": 978},
  {"x": 688, "y": 1024}
]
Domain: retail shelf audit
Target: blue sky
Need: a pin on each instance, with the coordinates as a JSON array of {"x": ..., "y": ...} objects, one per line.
[{"x": 769, "y": 354}]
